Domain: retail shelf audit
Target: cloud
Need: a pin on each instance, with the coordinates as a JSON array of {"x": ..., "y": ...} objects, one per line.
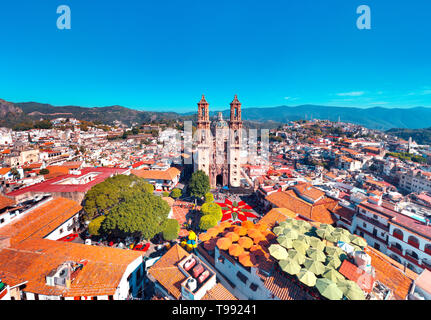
[
  {"x": 351, "y": 94},
  {"x": 290, "y": 98}
]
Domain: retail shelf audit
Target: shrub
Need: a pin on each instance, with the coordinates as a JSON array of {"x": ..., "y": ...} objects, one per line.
[
  {"x": 94, "y": 226},
  {"x": 212, "y": 208},
  {"x": 165, "y": 194},
  {"x": 176, "y": 193},
  {"x": 171, "y": 230},
  {"x": 209, "y": 197},
  {"x": 207, "y": 221}
]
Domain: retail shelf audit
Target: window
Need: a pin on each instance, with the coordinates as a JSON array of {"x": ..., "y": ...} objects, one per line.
[
  {"x": 241, "y": 277},
  {"x": 110, "y": 297},
  {"x": 253, "y": 287},
  {"x": 1, "y": 220},
  {"x": 397, "y": 233},
  {"x": 61, "y": 231},
  {"x": 377, "y": 246},
  {"x": 413, "y": 241},
  {"x": 364, "y": 225}
]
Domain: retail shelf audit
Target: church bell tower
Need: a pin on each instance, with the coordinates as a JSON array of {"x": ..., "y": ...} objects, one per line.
[{"x": 235, "y": 140}]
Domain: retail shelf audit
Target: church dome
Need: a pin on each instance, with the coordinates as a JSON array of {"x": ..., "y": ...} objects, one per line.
[{"x": 220, "y": 123}]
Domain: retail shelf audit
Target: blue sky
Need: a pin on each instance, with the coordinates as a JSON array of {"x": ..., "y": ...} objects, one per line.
[{"x": 162, "y": 55}]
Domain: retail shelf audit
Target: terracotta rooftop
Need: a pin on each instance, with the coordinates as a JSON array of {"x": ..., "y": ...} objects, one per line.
[
  {"x": 5, "y": 202},
  {"x": 40, "y": 221},
  {"x": 34, "y": 259},
  {"x": 168, "y": 174}
]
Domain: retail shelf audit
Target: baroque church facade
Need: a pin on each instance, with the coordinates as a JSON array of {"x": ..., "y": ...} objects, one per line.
[{"x": 219, "y": 145}]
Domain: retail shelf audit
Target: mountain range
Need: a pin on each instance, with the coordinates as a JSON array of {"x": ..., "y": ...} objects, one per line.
[{"x": 373, "y": 118}]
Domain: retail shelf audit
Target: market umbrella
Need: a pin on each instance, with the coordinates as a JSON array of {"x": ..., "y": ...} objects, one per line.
[
  {"x": 333, "y": 261},
  {"x": 204, "y": 236},
  {"x": 356, "y": 248},
  {"x": 278, "y": 252},
  {"x": 285, "y": 224},
  {"x": 314, "y": 266},
  {"x": 278, "y": 230},
  {"x": 232, "y": 236},
  {"x": 307, "y": 277},
  {"x": 344, "y": 238},
  {"x": 351, "y": 289},
  {"x": 323, "y": 233},
  {"x": 261, "y": 226},
  {"x": 316, "y": 243},
  {"x": 297, "y": 256},
  {"x": 269, "y": 235},
  {"x": 290, "y": 233},
  {"x": 300, "y": 246},
  {"x": 236, "y": 250},
  {"x": 223, "y": 243},
  {"x": 212, "y": 232},
  {"x": 316, "y": 254},
  {"x": 331, "y": 238},
  {"x": 333, "y": 251},
  {"x": 245, "y": 242},
  {"x": 225, "y": 224},
  {"x": 304, "y": 224},
  {"x": 342, "y": 230},
  {"x": 285, "y": 241},
  {"x": 254, "y": 233},
  {"x": 245, "y": 259},
  {"x": 359, "y": 241},
  {"x": 290, "y": 266},
  {"x": 303, "y": 237},
  {"x": 259, "y": 240},
  {"x": 247, "y": 224},
  {"x": 257, "y": 250},
  {"x": 333, "y": 275},
  {"x": 329, "y": 289},
  {"x": 241, "y": 231},
  {"x": 327, "y": 227}
]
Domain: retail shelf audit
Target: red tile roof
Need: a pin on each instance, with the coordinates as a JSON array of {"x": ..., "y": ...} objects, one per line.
[{"x": 362, "y": 278}]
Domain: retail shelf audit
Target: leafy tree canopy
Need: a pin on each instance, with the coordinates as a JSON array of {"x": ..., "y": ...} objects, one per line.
[
  {"x": 171, "y": 230},
  {"x": 94, "y": 226},
  {"x": 207, "y": 221},
  {"x": 176, "y": 193},
  {"x": 199, "y": 184}
]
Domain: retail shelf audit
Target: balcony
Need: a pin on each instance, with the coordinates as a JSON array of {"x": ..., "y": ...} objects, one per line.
[
  {"x": 373, "y": 222},
  {"x": 372, "y": 235},
  {"x": 395, "y": 250}
]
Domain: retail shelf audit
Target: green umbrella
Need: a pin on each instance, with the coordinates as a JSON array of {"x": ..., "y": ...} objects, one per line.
[
  {"x": 303, "y": 237},
  {"x": 290, "y": 266},
  {"x": 328, "y": 289},
  {"x": 314, "y": 266},
  {"x": 331, "y": 238},
  {"x": 290, "y": 233},
  {"x": 278, "y": 252},
  {"x": 300, "y": 246},
  {"x": 333, "y": 275},
  {"x": 285, "y": 241},
  {"x": 333, "y": 261},
  {"x": 342, "y": 230},
  {"x": 278, "y": 230},
  {"x": 316, "y": 243},
  {"x": 351, "y": 290},
  {"x": 326, "y": 227},
  {"x": 297, "y": 256},
  {"x": 298, "y": 228},
  {"x": 333, "y": 251},
  {"x": 356, "y": 248},
  {"x": 285, "y": 224},
  {"x": 306, "y": 277},
  {"x": 359, "y": 241},
  {"x": 304, "y": 224},
  {"x": 344, "y": 238},
  {"x": 316, "y": 254},
  {"x": 323, "y": 233}
]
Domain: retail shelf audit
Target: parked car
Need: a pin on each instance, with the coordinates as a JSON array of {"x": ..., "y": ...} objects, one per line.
[
  {"x": 142, "y": 247},
  {"x": 69, "y": 237}
]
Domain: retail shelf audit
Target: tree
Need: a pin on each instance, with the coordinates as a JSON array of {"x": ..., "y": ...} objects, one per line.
[
  {"x": 171, "y": 230},
  {"x": 199, "y": 184},
  {"x": 43, "y": 171},
  {"x": 209, "y": 197},
  {"x": 212, "y": 208},
  {"x": 15, "y": 173},
  {"x": 140, "y": 214},
  {"x": 176, "y": 193},
  {"x": 207, "y": 221},
  {"x": 165, "y": 194},
  {"x": 94, "y": 226}
]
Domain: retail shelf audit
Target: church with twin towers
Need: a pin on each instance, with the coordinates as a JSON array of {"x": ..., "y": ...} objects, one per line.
[{"x": 219, "y": 145}]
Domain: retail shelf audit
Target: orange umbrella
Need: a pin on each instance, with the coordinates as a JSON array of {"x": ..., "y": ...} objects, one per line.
[
  {"x": 247, "y": 224},
  {"x": 258, "y": 240},
  {"x": 258, "y": 250},
  {"x": 232, "y": 236},
  {"x": 245, "y": 259},
  {"x": 210, "y": 244},
  {"x": 254, "y": 233},
  {"x": 245, "y": 242},
  {"x": 236, "y": 250},
  {"x": 261, "y": 226},
  {"x": 224, "y": 243},
  {"x": 225, "y": 224},
  {"x": 241, "y": 231},
  {"x": 204, "y": 236},
  {"x": 269, "y": 235},
  {"x": 212, "y": 232}
]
